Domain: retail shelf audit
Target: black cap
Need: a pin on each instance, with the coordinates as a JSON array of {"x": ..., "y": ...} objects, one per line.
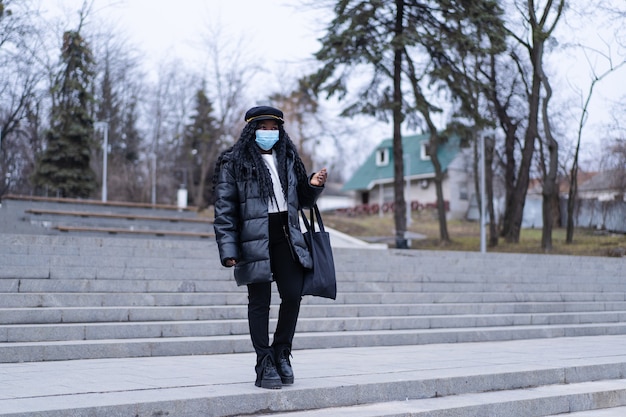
[{"x": 264, "y": 113}]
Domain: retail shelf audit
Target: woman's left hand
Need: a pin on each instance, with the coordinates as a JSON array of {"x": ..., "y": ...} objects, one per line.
[{"x": 319, "y": 178}]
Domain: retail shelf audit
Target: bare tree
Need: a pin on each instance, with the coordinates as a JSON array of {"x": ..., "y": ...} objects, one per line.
[
  {"x": 573, "y": 189},
  {"x": 319, "y": 137},
  {"x": 117, "y": 90},
  {"x": 299, "y": 108},
  {"x": 228, "y": 73},
  {"x": 539, "y": 22},
  {"x": 21, "y": 79},
  {"x": 614, "y": 158},
  {"x": 550, "y": 167},
  {"x": 614, "y": 163},
  {"x": 167, "y": 108}
]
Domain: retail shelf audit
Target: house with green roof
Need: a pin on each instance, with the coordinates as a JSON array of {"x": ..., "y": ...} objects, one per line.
[{"x": 372, "y": 183}]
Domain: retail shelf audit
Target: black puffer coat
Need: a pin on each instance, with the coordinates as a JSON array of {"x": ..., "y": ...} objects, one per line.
[{"x": 242, "y": 226}]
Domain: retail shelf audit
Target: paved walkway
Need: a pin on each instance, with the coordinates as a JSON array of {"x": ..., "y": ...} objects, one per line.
[
  {"x": 341, "y": 240},
  {"x": 32, "y": 387}
]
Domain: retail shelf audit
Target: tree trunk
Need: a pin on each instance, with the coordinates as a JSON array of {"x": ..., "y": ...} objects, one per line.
[
  {"x": 444, "y": 237},
  {"x": 550, "y": 187},
  {"x": 424, "y": 108},
  {"x": 540, "y": 31},
  {"x": 510, "y": 176},
  {"x": 515, "y": 208},
  {"x": 518, "y": 198},
  {"x": 493, "y": 229},
  {"x": 398, "y": 152},
  {"x": 572, "y": 196},
  {"x": 510, "y": 131}
]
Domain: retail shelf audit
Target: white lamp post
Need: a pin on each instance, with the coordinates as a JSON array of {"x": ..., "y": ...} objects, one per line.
[
  {"x": 483, "y": 237},
  {"x": 105, "y": 150},
  {"x": 407, "y": 181},
  {"x": 153, "y": 158}
]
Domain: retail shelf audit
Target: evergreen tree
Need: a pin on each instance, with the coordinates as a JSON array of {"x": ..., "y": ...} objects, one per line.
[
  {"x": 201, "y": 148},
  {"x": 130, "y": 136},
  {"x": 64, "y": 166},
  {"x": 410, "y": 52}
]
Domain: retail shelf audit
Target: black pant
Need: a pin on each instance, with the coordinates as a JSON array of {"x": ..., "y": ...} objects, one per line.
[{"x": 288, "y": 275}]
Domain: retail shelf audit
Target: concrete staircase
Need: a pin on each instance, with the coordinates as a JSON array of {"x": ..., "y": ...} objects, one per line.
[
  {"x": 52, "y": 216},
  {"x": 95, "y": 296},
  {"x": 69, "y": 302}
]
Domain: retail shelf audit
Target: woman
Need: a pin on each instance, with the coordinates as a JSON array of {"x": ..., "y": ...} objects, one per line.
[{"x": 260, "y": 184}]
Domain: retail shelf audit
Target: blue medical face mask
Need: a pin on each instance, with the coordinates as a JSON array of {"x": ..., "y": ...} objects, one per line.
[{"x": 266, "y": 139}]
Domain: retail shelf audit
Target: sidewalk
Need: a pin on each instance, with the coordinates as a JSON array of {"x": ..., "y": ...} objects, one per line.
[{"x": 211, "y": 385}]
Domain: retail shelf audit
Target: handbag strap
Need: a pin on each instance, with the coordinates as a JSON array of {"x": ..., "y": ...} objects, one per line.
[
  {"x": 313, "y": 214},
  {"x": 320, "y": 224}
]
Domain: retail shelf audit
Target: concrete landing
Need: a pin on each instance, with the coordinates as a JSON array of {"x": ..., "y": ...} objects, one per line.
[{"x": 326, "y": 379}]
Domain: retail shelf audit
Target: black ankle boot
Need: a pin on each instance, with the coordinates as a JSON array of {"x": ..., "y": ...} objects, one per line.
[
  {"x": 283, "y": 366},
  {"x": 266, "y": 374}
]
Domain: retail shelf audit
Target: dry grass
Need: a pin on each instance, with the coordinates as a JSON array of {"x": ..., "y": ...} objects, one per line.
[{"x": 465, "y": 236}]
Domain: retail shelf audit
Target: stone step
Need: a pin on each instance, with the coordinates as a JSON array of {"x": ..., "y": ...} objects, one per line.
[
  {"x": 95, "y": 314},
  {"x": 91, "y": 218},
  {"x": 225, "y": 283},
  {"x": 41, "y": 315},
  {"x": 156, "y": 230},
  {"x": 555, "y": 399},
  {"x": 37, "y": 315},
  {"x": 238, "y": 343},
  {"x": 109, "y": 285},
  {"x": 205, "y": 328},
  {"x": 169, "y": 266},
  {"x": 384, "y": 259},
  {"x": 20, "y": 300},
  {"x": 17, "y": 300},
  {"x": 37, "y": 267},
  {"x": 602, "y": 412},
  {"x": 501, "y": 379},
  {"x": 20, "y": 203},
  {"x": 413, "y": 263},
  {"x": 70, "y": 222}
]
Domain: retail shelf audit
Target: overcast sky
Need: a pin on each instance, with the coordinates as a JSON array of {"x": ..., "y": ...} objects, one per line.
[
  {"x": 278, "y": 32},
  {"x": 283, "y": 36}
]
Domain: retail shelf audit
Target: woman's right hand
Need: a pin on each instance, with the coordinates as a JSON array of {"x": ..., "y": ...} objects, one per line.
[{"x": 231, "y": 262}]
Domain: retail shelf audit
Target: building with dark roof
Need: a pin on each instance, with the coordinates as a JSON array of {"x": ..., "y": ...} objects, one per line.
[{"x": 372, "y": 183}]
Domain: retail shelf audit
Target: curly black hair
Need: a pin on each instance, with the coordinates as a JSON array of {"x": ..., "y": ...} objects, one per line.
[{"x": 245, "y": 154}]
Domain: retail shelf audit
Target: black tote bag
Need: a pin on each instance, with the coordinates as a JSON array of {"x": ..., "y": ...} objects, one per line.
[{"x": 320, "y": 280}]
